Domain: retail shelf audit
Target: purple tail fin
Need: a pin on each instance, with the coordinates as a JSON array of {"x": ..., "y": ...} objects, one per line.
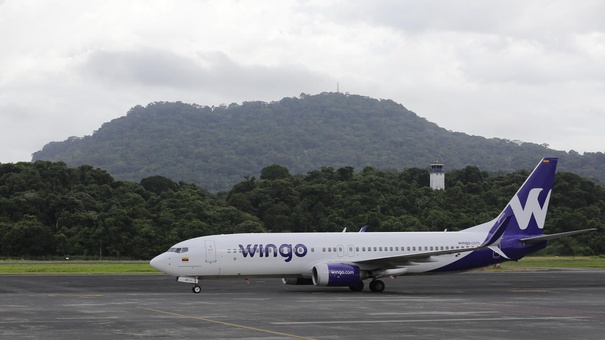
[{"x": 529, "y": 205}]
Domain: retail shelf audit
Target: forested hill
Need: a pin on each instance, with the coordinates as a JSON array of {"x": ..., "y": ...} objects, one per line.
[
  {"x": 49, "y": 210},
  {"x": 216, "y": 147}
]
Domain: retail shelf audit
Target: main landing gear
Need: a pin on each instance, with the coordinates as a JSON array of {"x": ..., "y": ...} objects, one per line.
[
  {"x": 376, "y": 286},
  {"x": 196, "y": 289},
  {"x": 358, "y": 287}
]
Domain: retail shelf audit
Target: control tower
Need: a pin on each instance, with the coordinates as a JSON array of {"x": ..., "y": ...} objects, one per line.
[{"x": 437, "y": 176}]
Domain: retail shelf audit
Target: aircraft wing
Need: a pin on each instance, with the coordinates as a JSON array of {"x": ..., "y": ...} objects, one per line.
[
  {"x": 540, "y": 238},
  {"x": 418, "y": 257},
  {"x": 425, "y": 256}
]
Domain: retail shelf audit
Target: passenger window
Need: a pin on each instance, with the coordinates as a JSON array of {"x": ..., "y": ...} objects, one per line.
[
  {"x": 391, "y": 248},
  {"x": 374, "y": 248}
]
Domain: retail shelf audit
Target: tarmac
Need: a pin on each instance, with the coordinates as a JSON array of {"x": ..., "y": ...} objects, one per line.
[{"x": 545, "y": 304}]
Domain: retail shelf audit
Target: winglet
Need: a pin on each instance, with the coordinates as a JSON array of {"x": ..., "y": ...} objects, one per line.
[
  {"x": 363, "y": 229},
  {"x": 496, "y": 235}
]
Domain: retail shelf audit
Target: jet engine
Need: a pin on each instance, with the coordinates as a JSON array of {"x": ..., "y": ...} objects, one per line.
[{"x": 336, "y": 274}]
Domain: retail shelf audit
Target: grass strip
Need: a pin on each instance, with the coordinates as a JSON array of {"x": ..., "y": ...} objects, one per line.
[
  {"x": 559, "y": 262},
  {"x": 76, "y": 267},
  {"x": 143, "y": 267}
]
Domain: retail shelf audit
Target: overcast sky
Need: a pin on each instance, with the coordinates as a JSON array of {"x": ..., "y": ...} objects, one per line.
[{"x": 521, "y": 70}]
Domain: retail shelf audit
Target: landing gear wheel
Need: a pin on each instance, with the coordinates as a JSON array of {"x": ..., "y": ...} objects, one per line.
[
  {"x": 357, "y": 287},
  {"x": 377, "y": 286},
  {"x": 196, "y": 289}
]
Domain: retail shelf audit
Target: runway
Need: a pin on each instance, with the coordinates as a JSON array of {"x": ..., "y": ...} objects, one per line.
[{"x": 554, "y": 304}]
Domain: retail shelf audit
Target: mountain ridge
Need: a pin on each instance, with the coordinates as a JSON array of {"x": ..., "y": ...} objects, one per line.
[{"x": 217, "y": 147}]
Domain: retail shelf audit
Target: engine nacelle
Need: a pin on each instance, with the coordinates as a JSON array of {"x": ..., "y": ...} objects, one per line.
[
  {"x": 336, "y": 274},
  {"x": 296, "y": 281}
]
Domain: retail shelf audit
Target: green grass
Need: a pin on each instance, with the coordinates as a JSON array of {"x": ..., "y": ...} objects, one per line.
[
  {"x": 143, "y": 267},
  {"x": 559, "y": 262},
  {"x": 75, "y": 267}
]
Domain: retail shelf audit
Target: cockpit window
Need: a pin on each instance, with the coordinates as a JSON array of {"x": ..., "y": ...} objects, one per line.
[{"x": 178, "y": 250}]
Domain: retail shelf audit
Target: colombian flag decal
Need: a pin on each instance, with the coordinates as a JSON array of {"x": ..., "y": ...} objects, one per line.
[{"x": 185, "y": 259}]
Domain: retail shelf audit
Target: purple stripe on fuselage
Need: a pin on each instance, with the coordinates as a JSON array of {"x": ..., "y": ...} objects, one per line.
[
  {"x": 476, "y": 259},
  {"x": 486, "y": 257}
]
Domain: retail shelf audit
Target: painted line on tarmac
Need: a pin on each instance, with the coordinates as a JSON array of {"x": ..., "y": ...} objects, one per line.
[
  {"x": 390, "y": 300},
  {"x": 546, "y": 318},
  {"x": 225, "y": 323},
  {"x": 86, "y": 296},
  {"x": 432, "y": 313}
]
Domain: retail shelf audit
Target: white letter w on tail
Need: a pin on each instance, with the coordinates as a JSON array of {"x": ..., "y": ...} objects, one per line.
[{"x": 532, "y": 207}]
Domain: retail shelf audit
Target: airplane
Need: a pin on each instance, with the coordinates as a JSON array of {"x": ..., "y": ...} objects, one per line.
[{"x": 341, "y": 259}]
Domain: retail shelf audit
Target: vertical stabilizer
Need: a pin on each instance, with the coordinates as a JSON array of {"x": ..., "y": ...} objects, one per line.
[{"x": 529, "y": 205}]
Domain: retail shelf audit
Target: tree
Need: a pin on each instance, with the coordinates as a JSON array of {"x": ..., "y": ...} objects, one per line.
[
  {"x": 274, "y": 171},
  {"x": 158, "y": 184}
]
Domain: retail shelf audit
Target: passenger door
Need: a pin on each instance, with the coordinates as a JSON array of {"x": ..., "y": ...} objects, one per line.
[{"x": 210, "y": 251}]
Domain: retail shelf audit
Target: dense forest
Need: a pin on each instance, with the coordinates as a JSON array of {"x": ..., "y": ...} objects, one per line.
[
  {"x": 48, "y": 209},
  {"x": 217, "y": 147}
]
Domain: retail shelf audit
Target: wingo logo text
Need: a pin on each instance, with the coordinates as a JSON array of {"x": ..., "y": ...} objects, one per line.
[{"x": 287, "y": 251}]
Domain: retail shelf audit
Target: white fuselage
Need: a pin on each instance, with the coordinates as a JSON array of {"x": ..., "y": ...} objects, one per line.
[
  {"x": 346, "y": 259},
  {"x": 295, "y": 254}
]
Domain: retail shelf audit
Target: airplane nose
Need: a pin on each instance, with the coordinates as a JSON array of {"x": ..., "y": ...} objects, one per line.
[{"x": 158, "y": 263}]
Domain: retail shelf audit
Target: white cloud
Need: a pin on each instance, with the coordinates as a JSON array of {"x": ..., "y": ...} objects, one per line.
[{"x": 533, "y": 71}]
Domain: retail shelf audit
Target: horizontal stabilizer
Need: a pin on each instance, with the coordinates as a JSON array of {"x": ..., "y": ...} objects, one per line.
[{"x": 536, "y": 239}]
